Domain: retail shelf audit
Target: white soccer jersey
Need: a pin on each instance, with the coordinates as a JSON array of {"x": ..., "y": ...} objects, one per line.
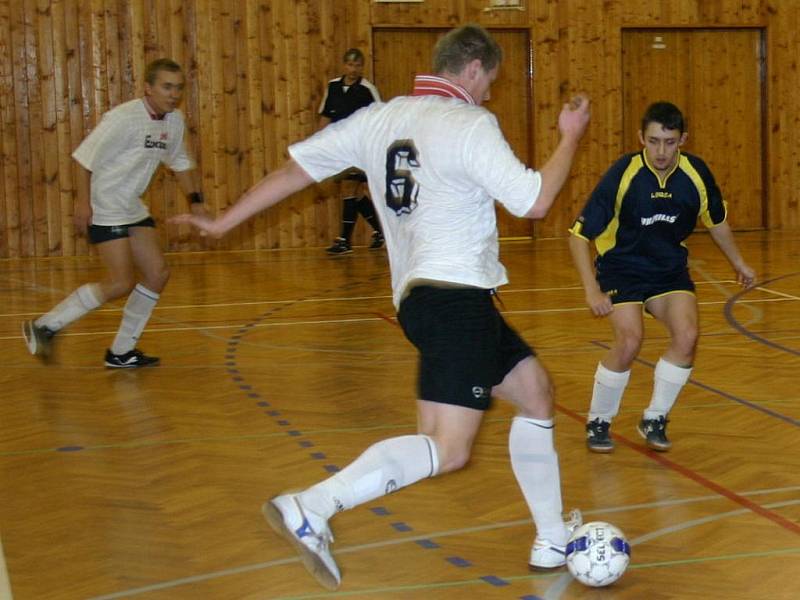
[
  {"x": 123, "y": 152},
  {"x": 434, "y": 165}
]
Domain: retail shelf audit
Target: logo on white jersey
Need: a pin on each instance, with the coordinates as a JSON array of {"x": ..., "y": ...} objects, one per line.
[{"x": 149, "y": 142}]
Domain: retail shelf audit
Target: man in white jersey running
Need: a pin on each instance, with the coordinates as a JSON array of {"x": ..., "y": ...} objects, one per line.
[
  {"x": 435, "y": 162},
  {"x": 120, "y": 155}
]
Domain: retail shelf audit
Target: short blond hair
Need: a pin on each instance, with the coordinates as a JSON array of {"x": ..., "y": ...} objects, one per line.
[{"x": 461, "y": 46}]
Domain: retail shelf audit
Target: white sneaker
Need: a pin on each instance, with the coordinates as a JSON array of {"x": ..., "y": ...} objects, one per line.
[
  {"x": 547, "y": 555},
  {"x": 309, "y": 534}
]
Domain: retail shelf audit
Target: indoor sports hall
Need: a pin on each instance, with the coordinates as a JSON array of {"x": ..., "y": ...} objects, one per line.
[{"x": 279, "y": 364}]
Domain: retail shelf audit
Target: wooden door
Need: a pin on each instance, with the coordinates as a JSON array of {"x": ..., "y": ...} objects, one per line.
[
  {"x": 401, "y": 53},
  {"x": 716, "y": 77}
]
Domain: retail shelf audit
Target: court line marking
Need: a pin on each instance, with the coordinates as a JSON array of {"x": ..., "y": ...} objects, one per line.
[
  {"x": 5, "y": 582},
  {"x": 352, "y": 320},
  {"x": 163, "y": 307},
  {"x": 733, "y": 322},
  {"x": 719, "y": 392},
  {"x": 564, "y": 581},
  {"x": 510, "y": 312},
  {"x": 696, "y": 477},
  {"x": 437, "y": 535}
]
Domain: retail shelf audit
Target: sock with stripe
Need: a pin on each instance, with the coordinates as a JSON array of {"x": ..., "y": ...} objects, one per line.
[
  {"x": 135, "y": 316},
  {"x": 535, "y": 465}
]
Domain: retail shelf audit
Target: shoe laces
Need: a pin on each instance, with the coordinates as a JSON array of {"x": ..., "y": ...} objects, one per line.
[
  {"x": 599, "y": 425},
  {"x": 574, "y": 521}
]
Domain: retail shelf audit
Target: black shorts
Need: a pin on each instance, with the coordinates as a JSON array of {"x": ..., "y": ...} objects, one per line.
[
  {"x": 465, "y": 346},
  {"x": 633, "y": 287},
  {"x": 106, "y": 233}
]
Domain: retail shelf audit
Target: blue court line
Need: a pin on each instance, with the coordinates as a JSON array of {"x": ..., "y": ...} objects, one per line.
[{"x": 239, "y": 381}]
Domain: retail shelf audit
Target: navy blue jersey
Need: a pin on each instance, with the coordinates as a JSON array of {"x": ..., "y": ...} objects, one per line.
[
  {"x": 341, "y": 101},
  {"x": 639, "y": 222}
]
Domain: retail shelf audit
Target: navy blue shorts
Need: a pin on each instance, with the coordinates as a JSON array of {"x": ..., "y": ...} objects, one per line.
[
  {"x": 635, "y": 287},
  {"x": 465, "y": 346},
  {"x": 105, "y": 233}
]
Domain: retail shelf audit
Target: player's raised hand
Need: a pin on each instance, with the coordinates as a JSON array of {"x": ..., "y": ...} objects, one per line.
[{"x": 574, "y": 117}]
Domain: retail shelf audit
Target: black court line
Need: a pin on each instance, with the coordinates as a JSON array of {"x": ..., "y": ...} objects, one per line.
[
  {"x": 746, "y": 332},
  {"x": 719, "y": 392}
]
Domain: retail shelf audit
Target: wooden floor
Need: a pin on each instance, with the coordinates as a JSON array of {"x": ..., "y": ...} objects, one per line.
[{"x": 280, "y": 367}]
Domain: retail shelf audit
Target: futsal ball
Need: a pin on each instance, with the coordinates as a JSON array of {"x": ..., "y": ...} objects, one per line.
[{"x": 597, "y": 554}]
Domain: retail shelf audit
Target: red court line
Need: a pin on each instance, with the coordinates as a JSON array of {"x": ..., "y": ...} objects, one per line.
[
  {"x": 694, "y": 476},
  {"x": 387, "y": 318},
  {"x": 685, "y": 471}
]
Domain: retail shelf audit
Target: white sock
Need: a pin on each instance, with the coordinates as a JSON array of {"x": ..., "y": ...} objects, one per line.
[
  {"x": 135, "y": 316},
  {"x": 535, "y": 465},
  {"x": 83, "y": 300},
  {"x": 668, "y": 381},
  {"x": 381, "y": 469},
  {"x": 607, "y": 393}
]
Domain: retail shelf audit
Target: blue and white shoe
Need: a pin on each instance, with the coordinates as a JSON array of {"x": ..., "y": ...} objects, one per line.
[
  {"x": 547, "y": 555},
  {"x": 38, "y": 339},
  {"x": 308, "y": 533}
]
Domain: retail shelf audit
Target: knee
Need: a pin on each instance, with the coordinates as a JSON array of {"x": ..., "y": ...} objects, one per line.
[
  {"x": 119, "y": 287},
  {"x": 685, "y": 340},
  {"x": 539, "y": 403},
  {"x": 451, "y": 457},
  {"x": 157, "y": 279},
  {"x": 628, "y": 344}
]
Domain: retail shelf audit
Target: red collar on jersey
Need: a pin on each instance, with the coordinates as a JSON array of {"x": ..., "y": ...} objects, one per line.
[
  {"x": 153, "y": 114},
  {"x": 433, "y": 85}
]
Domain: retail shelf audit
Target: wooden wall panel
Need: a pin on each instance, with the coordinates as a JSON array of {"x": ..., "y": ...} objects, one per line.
[
  {"x": 9, "y": 197},
  {"x": 257, "y": 70},
  {"x": 715, "y": 78}
]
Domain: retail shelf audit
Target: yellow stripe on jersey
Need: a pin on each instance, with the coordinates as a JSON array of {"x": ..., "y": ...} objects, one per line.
[
  {"x": 577, "y": 230},
  {"x": 698, "y": 182},
  {"x": 608, "y": 239}
]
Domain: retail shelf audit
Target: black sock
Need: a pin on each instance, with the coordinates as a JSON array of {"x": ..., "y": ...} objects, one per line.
[
  {"x": 349, "y": 216},
  {"x": 368, "y": 212}
]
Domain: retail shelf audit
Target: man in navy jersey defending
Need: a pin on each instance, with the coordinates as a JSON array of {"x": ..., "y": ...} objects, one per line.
[
  {"x": 639, "y": 214},
  {"x": 438, "y": 215},
  {"x": 344, "y": 96}
]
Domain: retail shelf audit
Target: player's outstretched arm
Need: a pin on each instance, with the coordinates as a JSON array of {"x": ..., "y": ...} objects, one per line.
[
  {"x": 273, "y": 188},
  {"x": 723, "y": 237},
  {"x": 572, "y": 124}
]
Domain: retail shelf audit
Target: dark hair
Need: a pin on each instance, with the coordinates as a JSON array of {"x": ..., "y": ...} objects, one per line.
[
  {"x": 161, "y": 64},
  {"x": 665, "y": 114},
  {"x": 461, "y": 46},
  {"x": 353, "y": 54}
]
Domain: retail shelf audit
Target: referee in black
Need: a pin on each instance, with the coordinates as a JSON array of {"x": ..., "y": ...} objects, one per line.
[{"x": 344, "y": 96}]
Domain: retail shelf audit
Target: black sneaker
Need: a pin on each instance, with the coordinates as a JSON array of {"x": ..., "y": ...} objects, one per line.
[
  {"x": 130, "y": 360},
  {"x": 339, "y": 246},
  {"x": 38, "y": 339},
  {"x": 377, "y": 241},
  {"x": 597, "y": 436},
  {"x": 654, "y": 431}
]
